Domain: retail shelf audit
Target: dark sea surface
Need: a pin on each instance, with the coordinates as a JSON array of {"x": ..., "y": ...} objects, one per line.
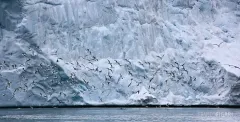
[{"x": 120, "y": 115}]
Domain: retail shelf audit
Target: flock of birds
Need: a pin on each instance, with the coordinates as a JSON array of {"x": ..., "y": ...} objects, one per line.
[{"x": 175, "y": 72}]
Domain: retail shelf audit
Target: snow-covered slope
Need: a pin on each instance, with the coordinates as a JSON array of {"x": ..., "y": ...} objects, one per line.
[{"x": 119, "y": 52}]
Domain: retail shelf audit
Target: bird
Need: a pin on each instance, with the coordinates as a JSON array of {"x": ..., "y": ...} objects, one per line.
[
  {"x": 58, "y": 59},
  {"x": 8, "y": 84},
  {"x": 36, "y": 71},
  {"x": 184, "y": 69},
  {"x": 90, "y": 62},
  {"x": 72, "y": 75},
  {"x": 172, "y": 74},
  {"x": 94, "y": 58},
  {"x": 117, "y": 63},
  {"x": 25, "y": 84},
  {"x": 130, "y": 84},
  {"x": 166, "y": 81},
  {"x": 128, "y": 61},
  {"x": 218, "y": 44},
  {"x": 149, "y": 64},
  {"x": 120, "y": 77},
  {"x": 160, "y": 57},
  {"x": 59, "y": 101},
  {"x": 144, "y": 77},
  {"x": 94, "y": 87},
  {"x": 85, "y": 81},
  {"x": 14, "y": 66},
  {"x": 139, "y": 83},
  {"x": 130, "y": 73},
  {"x": 153, "y": 88},
  {"x": 106, "y": 79},
  {"x": 24, "y": 54},
  {"x": 83, "y": 65},
  {"x": 28, "y": 60},
  {"x": 109, "y": 70},
  {"x": 78, "y": 64},
  {"x": 110, "y": 77},
  {"x": 194, "y": 79},
  {"x": 177, "y": 65},
  {"x": 195, "y": 63},
  {"x": 96, "y": 69},
  {"x": 151, "y": 79},
  {"x": 138, "y": 91},
  {"x": 110, "y": 63},
  {"x": 89, "y": 51},
  {"x": 75, "y": 68},
  {"x": 141, "y": 63}
]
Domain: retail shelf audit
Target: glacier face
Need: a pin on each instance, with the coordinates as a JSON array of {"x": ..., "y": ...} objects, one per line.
[{"x": 56, "y": 52}]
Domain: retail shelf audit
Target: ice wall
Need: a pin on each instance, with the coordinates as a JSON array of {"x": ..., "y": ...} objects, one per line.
[{"x": 119, "y": 52}]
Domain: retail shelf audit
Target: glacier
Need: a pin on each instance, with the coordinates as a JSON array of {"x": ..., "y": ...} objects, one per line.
[{"x": 93, "y": 52}]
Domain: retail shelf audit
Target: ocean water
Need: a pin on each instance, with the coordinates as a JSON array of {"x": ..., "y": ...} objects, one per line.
[{"x": 120, "y": 115}]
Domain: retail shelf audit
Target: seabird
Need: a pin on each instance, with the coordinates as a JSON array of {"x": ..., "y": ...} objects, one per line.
[
  {"x": 151, "y": 79},
  {"x": 89, "y": 51},
  {"x": 110, "y": 69},
  {"x": 130, "y": 73},
  {"x": 59, "y": 100},
  {"x": 130, "y": 83},
  {"x": 160, "y": 57},
  {"x": 141, "y": 63},
  {"x": 128, "y": 61},
  {"x": 117, "y": 63},
  {"x": 218, "y": 44},
  {"x": 58, "y": 59},
  {"x": 110, "y": 63}
]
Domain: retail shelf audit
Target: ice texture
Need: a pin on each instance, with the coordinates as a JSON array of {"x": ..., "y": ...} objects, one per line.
[{"x": 79, "y": 52}]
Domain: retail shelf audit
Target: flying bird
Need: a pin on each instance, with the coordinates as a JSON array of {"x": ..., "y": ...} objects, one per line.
[
  {"x": 130, "y": 73},
  {"x": 160, "y": 57},
  {"x": 128, "y": 61},
  {"x": 218, "y": 44},
  {"x": 141, "y": 63},
  {"x": 117, "y": 63},
  {"x": 110, "y": 63}
]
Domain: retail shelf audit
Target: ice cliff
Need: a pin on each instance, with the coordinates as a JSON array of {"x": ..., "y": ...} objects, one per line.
[{"x": 76, "y": 52}]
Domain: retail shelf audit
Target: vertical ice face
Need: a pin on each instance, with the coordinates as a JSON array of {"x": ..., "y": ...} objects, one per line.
[
  {"x": 119, "y": 51},
  {"x": 109, "y": 28}
]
